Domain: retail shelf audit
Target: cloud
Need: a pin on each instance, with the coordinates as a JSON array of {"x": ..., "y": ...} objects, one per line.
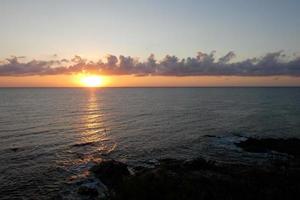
[
  {"x": 228, "y": 57},
  {"x": 271, "y": 64}
]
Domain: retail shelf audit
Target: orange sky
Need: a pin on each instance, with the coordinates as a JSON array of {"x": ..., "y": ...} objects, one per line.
[{"x": 151, "y": 81}]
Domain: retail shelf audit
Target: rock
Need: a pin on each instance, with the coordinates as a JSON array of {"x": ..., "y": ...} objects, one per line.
[
  {"x": 88, "y": 189},
  {"x": 196, "y": 179},
  {"x": 83, "y": 144},
  {"x": 170, "y": 164},
  {"x": 15, "y": 149},
  {"x": 199, "y": 163},
  {"x": 210, "y": 136},
  {"x": 139, "y": 168},
  {"x": 199, "y": 180},
  {"x": 290, "y": 146},
  {"x": 111, "y": 172}
]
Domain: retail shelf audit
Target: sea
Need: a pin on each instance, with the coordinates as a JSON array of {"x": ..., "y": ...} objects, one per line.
[{"x": 50, "y": 137}]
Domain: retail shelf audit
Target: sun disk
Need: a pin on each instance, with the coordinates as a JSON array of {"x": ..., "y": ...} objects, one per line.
[{"x": 91, "y": 81}]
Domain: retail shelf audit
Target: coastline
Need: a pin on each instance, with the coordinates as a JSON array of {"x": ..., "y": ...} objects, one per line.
[{"x": 199, "y": 178}]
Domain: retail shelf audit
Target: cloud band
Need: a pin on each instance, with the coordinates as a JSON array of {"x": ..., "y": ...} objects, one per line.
[{"x": 203, "y": 64}]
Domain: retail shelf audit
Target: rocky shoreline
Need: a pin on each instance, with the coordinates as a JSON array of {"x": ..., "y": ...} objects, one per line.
[{"x": 202, "y": 179}]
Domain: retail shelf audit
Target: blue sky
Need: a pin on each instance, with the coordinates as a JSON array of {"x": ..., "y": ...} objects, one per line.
[{"x": 39, "y": 29}]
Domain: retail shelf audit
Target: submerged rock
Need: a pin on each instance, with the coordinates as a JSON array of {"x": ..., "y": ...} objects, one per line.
[
  {"x": 290, "y": 146},
  {"x": 15, "y": 149},
  {"x": 210, "y": 136},
  {"x": 83, "y": 144}
]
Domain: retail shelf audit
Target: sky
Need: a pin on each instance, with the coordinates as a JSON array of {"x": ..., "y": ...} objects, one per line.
[{"x": 240, "y": 42}]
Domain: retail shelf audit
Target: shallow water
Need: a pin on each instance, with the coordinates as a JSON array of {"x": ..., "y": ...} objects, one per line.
[{"x": 49, "y": 136}]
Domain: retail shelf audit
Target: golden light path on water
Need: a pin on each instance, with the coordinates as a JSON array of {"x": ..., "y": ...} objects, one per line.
[
  {"x": 95, "y": 132},
  {"x": 94, "y": 140}
]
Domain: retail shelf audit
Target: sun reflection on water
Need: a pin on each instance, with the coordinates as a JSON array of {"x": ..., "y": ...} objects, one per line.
[
  {"x": 93, "y": 141},
  {"x": 95, "y": 132}
]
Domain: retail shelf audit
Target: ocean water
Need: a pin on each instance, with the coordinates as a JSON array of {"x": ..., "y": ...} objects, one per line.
[{"x": 49, "y": 137}]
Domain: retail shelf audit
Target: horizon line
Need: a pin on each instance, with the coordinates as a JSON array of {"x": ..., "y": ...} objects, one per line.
[{"x": 116, "y": 87}]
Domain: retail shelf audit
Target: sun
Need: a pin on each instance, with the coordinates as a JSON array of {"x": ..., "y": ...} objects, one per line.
[{"x": 91, "y": 80}]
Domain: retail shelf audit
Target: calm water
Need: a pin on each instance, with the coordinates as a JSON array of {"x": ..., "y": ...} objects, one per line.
[{"x": 48, "y": 137}]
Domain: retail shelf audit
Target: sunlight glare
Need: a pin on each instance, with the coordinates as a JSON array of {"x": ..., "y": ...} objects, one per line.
[{"x": 91, "y": 80}]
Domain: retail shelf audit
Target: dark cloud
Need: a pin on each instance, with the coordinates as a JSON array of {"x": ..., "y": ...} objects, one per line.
[
  {"x": 228, "y": 57},
  {"x": 111, "y": 61},
  {"x": 271, "y": 64}
]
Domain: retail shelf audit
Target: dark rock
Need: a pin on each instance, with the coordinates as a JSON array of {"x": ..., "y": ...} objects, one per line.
[
  {"x": 88, "y": 190},
  {"x": 199, "y": 163},
  {"x": 83, "y": 144},
  {"x": 201, "y": 179},
  {"x": 290, "y": 146},
  {"x": 171, "y": 180},
  {"x": 139, "y": 168},
  {"x": 197, "y": 179},
  {"x": 170, "y": 164},
  {"x": 111, "y": 172},
  {"x": 210, "y": 136},
  {"x": 14, "y": 149}
]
